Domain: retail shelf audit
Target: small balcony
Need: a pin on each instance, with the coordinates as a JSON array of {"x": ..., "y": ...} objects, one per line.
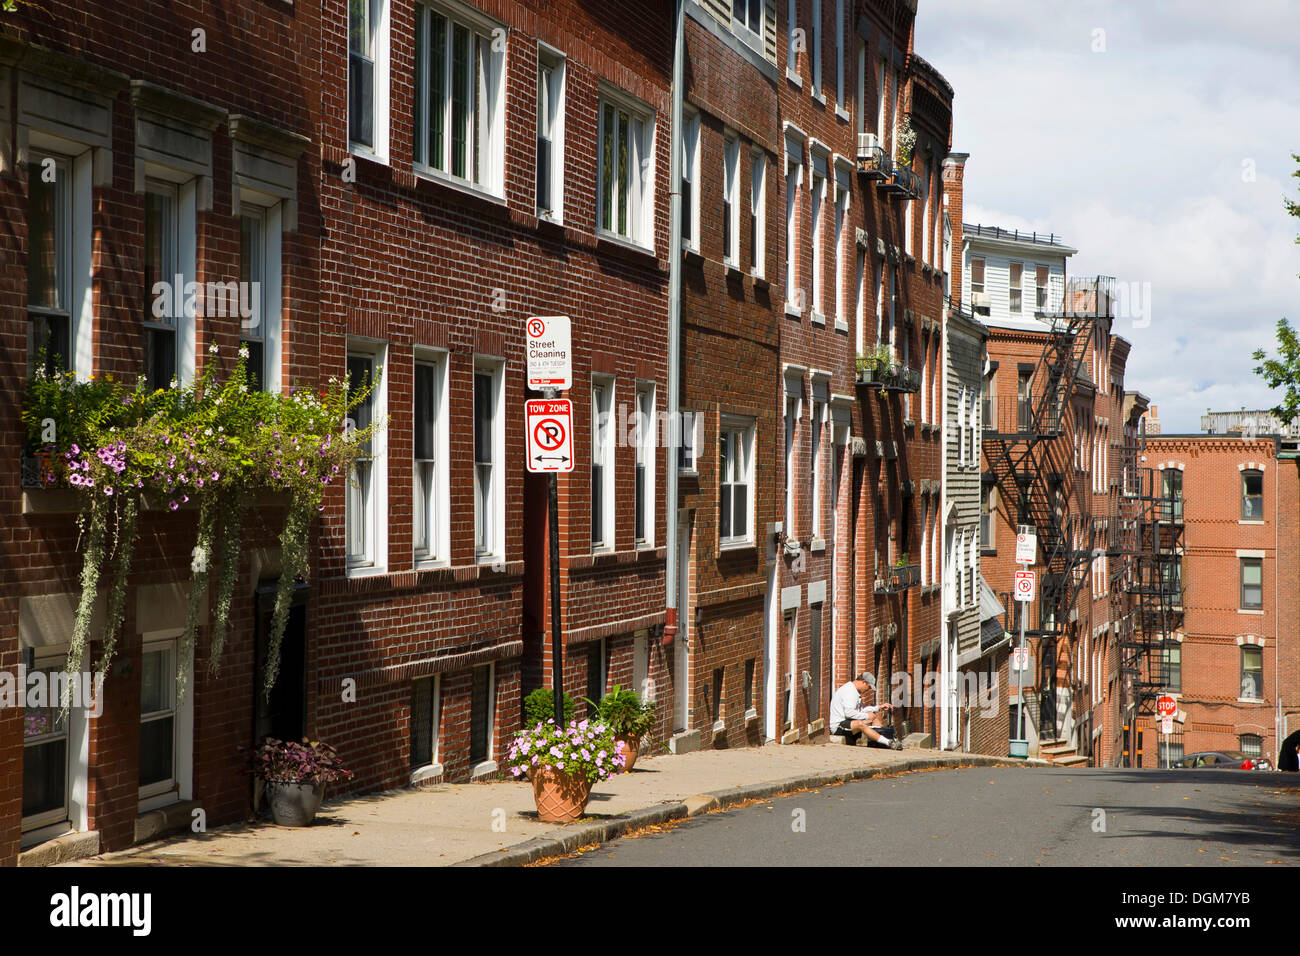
[
  {"x": 898, "y": 578},
  {"x": 902, "y": 379},
  {"x": 901, "y": 183},
  {"x": 873, "y": 161}
]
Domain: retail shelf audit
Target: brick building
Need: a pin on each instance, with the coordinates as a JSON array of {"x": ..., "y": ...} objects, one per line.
[
  {"x": 1234, "y": 663},
  {"x": 409, "y": 182}
]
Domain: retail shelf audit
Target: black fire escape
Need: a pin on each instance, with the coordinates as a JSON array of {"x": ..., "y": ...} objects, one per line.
[
  {"x": 1030, "y": 458},
  {"x": 1146, "y": 590}
]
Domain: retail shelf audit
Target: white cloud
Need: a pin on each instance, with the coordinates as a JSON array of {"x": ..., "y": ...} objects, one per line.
[{"x": 1135, "y": 156}]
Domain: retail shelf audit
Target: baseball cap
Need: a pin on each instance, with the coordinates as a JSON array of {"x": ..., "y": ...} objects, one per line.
[{"x": 869, "y": 679}]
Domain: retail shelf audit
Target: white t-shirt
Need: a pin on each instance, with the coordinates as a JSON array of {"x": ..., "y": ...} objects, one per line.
[{"x": 847, "y": 705}]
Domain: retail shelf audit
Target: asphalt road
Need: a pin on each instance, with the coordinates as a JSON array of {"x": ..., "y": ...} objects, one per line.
[{"x": 995, "y": 817}]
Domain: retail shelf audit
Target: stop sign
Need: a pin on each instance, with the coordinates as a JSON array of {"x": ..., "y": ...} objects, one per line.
[{"x": 1166, "y": 706}]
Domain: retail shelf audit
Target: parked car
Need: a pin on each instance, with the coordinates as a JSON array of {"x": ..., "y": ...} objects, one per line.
[{"x": 1223, "y": 760}]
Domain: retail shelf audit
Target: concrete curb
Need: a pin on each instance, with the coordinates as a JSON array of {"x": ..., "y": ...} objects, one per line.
[{"x": 602, "y": 831}]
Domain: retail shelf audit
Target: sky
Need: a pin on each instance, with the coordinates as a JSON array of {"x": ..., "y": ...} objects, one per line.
[{"x": 1154, "y": 136}]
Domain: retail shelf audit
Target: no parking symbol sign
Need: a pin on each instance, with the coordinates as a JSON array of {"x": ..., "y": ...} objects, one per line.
[{"x": 548, "y": 423}]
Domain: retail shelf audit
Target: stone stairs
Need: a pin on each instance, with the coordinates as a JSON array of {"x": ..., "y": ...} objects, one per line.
[{"x": 1061, "y": 753}]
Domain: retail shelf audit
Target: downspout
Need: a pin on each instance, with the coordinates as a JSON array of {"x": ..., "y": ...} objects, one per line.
[{"x": 674, "y": 324}]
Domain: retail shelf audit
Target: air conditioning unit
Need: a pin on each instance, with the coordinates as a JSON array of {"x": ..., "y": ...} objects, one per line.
[
  {"x": 979, "y": 300},
  {"x": 867, "y": 143}
]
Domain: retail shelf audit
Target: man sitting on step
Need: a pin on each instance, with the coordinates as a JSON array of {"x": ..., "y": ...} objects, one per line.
[{"x": 851, "y": 719}]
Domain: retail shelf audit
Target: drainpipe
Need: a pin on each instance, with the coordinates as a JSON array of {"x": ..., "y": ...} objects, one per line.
[{"x": 674, "y": 324}]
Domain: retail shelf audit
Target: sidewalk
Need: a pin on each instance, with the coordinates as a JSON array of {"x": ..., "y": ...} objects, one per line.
[{"x": 487, "y": 824}]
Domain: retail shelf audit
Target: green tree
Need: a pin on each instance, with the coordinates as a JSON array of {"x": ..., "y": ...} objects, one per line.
[{"x": 1283, "y": 369}]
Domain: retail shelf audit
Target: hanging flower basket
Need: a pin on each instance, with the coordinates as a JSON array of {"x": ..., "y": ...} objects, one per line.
[{"x": 219, "y": 443}]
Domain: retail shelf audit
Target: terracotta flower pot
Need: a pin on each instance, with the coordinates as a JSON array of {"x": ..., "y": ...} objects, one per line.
[
  {"x": 631, "y": 747},
  {"x": 560, "y": 797}
]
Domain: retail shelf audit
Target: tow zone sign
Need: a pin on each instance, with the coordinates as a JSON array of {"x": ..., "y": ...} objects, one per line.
[{"x": 548, "y": 423}]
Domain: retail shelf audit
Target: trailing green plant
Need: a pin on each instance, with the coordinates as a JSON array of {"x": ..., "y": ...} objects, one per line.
[
  {"x": 625, "y": 712},
  {"x": 220, "y": 443},
  {"x": 539, "y": 707},
  {"x": 906, "y": 140},
  {"x": 902, "y": 560}
]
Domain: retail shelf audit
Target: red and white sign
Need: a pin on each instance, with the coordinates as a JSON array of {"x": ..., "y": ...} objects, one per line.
[
  {"x": 549, "y": 347},
  {"x": 1166, "y": 706},
  {"x": 1024, "y": 586},
  {"x": 1020, "y": 658},
  {"x": 548, "y": 423},
  {"x": 1167, "y": 725},
  {"x": 1026, "y": 547}
]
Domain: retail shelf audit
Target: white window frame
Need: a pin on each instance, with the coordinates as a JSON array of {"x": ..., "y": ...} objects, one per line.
[
  {"x": 437, "y": 521},
  {"x": 839, "y": 56},
  {"x": 815, "y": 41},
  {"x": 485, "y": 90},
  {"x": 691, "y": 424},
  {"x": 859, "y": 310},
  {"x": 552, "y": 89},
  {"x": 434, "y": 766},
  {"x": 817, "y": 236},
  {"x": 639, "y": 215},
  {"x": 181, "y": 784},
  {"x": 76, "y": 779},
  {"x": 1016, "y": 305},
  {"x": 818, "y": 422},
  {"x": 181, "y": 261},
  {"x": 795, "y": 299},
  {"x": 758, "y": 211},
  {"x": 793, "y": 414},
  {"x": 373, "y": 558},
  {"x": 603, "y": 525},
  {"x": 380, "y": 54},
  {"x": 741, "y": 27},
  {"x": 645, "y": 458},
  {"x": 267, "y": 299},
  {"x": 842, "y": 199},
  {"x": 489, "y": 543},
  {"x": 691, "y": 177},
  {"x": 743, "y": 431},
  {"x": 64, "y": 239},
  {"x": 489, "y": 762},
  {"x": 731, "y": 199}
]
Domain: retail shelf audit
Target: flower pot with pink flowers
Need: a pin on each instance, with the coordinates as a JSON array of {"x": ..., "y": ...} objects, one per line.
[{"x": 563, "y": 762}]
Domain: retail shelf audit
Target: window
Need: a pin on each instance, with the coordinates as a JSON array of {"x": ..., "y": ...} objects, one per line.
[
  {"x": 794, "y": 295},
  {"x": 815, "y": 476},
  {"x": 1171, "y": 666},
  {"x": 482, "y": 713},
  {"x": 602, "y": 465},
  {"x": 735, "y": 482},
  {"x": 1252, "y": 496},
  {"x": 748, "y": 14},
  {"x": 489, "y": 483},
  {"x": 688, "y": 450},
  {"x": 1252, "y": 583},
  {"x": 424, "y": 721},
  {"x": 961, "y": 427},
  {"x": 49, "y": 264},
  {"x": 624, "y": 177},
  {"x": 973, "y": 428},
  {"x": 792, "y": 657},
  {"x": 161, "y": 265},
  {"x": 46, "y": 748},
  {"x": 429, "y": 505},
  {"x": 1171, "y": 491},
  {"x": 976, "y": 276},
  {"x": 1252, "y": 672},
  {"x": 1024, "y": 403},
  {"x": 974, "y": 565},
  {"x": 815, "y": 661},
  {"x": 839, "y": 307},
  {"x": 1252, "y": 745},
  {"x": 1016, "y": 279},
  {"x": 749, "y": 684},
  {"x": 1170, "y": 753},
  {"x": 986, "y": 518},
  {"x": 158, "y": 715},
  {"x": 643, "y": 518},
  {"x": 550, "y": 134},
  {"x": 791, "y": 438},
  {"x": 368, "y": 75},
  {"x": 925, "y": 541},
  {"x": 839, "y": 54},
  {"x": 260, "y": 284},
  {"x": 818, "y": 194},
  {"x": 363, "y": 511},
  {"x": 690, "y": 176},
  {"x": 731, "y": 202},
  {"x": 459, "y": 101},
  {"x": 815, "y": 42},
  {"x": 757, "y": 210},
  {"x": 1040, "y": 288},
  {"x": 596, "y": 672}
]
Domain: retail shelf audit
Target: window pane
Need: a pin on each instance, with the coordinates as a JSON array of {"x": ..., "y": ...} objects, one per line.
[
  {"x": 159, "y": 248},
  {"x": 479, "y": 715},
  {"x": 45, "y": 777},
  {"x": 157, "y": 749},
  {"x": 421, "y": 722},
  {"x": 482, "y": 418},
  {"x": 361, "y": 98},
  {"x": 424, "y": 411},
  {"x": 461, "y": 52},
  {"x": 45, "y": 243},
  {"x": 437, "y": 89},
  {"x": 156, "y": 681},
  {"x": 624, "y": 171},
  {"x": 607, "y": 169}
]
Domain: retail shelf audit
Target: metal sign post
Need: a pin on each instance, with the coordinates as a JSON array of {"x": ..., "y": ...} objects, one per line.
[
  {"x": 548, "y": 346},
  {"x": 1026, "y": 549}
]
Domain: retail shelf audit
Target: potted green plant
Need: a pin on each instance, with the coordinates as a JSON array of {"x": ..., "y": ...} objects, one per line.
[
  {"x": 563, "y": 763},
  {"x": 629, "y": 716},
  {"x": 539, "y": 707},
  {"x": 296, "y": 774}
]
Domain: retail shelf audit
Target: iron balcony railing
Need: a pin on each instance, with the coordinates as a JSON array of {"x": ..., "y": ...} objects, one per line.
[{"x": 898, "y": 578}]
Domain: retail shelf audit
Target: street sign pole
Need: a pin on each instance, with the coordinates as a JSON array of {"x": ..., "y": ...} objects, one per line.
[
  {"x": 553, "y": 520},
  {"x": 1026, "y": 551}
]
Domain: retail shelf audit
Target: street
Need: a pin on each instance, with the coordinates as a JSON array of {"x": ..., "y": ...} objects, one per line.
[{"x": 995, "y": 817}]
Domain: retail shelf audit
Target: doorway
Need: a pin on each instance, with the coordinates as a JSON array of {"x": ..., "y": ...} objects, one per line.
[{"x": 284, "y": 715}]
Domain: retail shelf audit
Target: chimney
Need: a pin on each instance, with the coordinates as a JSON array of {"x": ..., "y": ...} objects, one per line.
[{"x": 954, "y": 171}]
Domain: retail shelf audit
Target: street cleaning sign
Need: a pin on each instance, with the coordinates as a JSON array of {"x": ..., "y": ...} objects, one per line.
[
  {"x": 549, "y": 347},
  {"x": 1026, "y": 545}
]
